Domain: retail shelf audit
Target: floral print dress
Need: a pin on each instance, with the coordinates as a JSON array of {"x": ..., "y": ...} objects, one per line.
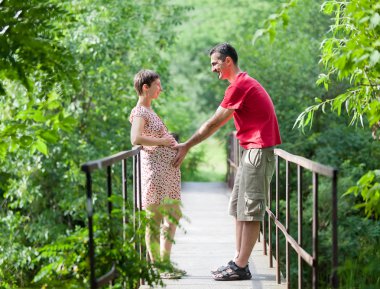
[{"x": 159, "y": 179}]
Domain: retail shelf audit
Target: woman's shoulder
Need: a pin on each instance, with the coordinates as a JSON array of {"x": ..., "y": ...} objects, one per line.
[{"x": 139, "y": 110}]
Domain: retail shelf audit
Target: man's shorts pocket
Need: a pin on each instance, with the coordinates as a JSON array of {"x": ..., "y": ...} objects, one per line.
[
  {"x": 254, "y": 157},
  {"x": 254, "y": 205}
]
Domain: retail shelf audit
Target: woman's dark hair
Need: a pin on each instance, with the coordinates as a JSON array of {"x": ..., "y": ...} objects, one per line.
[
  {"x": 225, "y": 49},
  {"x": 142, "y": 77}
]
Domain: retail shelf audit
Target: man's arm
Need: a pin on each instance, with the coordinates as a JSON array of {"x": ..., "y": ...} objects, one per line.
[{"x": 221, "y": 116}]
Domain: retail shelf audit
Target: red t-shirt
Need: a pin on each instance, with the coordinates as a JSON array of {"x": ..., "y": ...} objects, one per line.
[{"x": 254, "y": 115}]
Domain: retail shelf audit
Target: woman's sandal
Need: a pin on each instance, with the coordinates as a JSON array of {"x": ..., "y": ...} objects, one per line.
[
  {"x": 233, "y": 272},
  {"x": 170, "y": 275},
  {"x": 174, "y": 273}
]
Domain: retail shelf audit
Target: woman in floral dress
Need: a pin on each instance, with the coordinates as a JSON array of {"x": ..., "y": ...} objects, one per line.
[{"x": 161, "y": 181}]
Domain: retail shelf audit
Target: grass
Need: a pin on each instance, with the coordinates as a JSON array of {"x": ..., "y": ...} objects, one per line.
[{"x": 213, "y": 168}]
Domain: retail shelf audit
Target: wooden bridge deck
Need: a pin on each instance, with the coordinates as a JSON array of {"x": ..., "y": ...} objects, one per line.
[{"x": 206, "y": 241}]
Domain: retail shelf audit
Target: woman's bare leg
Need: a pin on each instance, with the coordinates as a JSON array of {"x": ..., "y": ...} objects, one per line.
[
  {"x": 171, "y": 217},
  {"x": 152, "y": 233}
]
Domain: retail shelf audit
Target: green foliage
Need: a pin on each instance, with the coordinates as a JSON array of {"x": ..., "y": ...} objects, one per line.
[
  {"x": 66, "y": 93},
  {"x": 351, "y": 53},
  {"x": 35, "y": 114},
  {"x": 271, "y": 22},
  {"x": 368, "y": 187},
  {"x": 33, "y": 63},
  {"x": 67, "y": 259},
  {"x": 359, "y": 254},
  {"x": 30, "y": 47},
  {"x": 193, "y": 160},
  {"x": 214, "y": 168}
]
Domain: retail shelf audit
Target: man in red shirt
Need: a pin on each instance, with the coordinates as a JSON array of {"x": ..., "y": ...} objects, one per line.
[{"x": 255, "y": 119}]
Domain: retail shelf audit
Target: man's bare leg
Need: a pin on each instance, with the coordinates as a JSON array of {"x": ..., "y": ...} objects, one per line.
[
  {"x": 238, "y": 232},
  {"x": 249, "y": 235}
]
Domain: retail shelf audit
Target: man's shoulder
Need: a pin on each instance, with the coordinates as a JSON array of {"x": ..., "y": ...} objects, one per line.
[{"x": 245, "y": 80}]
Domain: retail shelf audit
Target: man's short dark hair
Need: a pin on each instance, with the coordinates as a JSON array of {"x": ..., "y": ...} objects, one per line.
[
  {"x": 224, "y": 50},
  {"x": 144, "y": 76}
]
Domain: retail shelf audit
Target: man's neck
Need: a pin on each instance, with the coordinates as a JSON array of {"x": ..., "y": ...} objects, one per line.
[{"x": 234, "y": 73}]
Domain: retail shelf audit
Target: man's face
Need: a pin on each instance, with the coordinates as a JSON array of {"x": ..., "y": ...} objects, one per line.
[{"x": 218, "y": 65}]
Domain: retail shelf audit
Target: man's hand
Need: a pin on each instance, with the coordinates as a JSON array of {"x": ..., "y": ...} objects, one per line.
[
  {"x": 220, "y": 117},
  {"x": 181, "y": 153}
]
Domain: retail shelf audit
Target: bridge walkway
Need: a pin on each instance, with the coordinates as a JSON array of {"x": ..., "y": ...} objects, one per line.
[{"x": 206, "y": 240}]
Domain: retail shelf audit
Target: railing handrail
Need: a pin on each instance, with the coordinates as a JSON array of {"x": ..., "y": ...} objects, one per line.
[
  {"x": 327, "y": 171},
  {"x": 110, "y": 160}
]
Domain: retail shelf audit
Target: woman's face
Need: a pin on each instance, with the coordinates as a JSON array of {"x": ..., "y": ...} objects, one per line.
[{"x": 155, "y": 89}]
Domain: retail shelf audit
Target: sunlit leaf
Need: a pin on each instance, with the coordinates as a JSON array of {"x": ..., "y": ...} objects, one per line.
[
  {"x": 41, "y": 146},
  {"x": 258, "y": 34},
  {"x": 374, "y": 59}
]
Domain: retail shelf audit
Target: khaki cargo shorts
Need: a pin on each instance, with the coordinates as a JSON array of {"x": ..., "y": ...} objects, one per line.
[{"x": 253, "y": 177}]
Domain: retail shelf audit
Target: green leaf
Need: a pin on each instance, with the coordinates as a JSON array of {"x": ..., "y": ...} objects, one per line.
[
  {"x": 285, "y": 19},
  {"x": 309, "y": 118},
  {"x": 40, "y": 145},
  {"x": 258, "y": 34},
  {"x": 49, "y": 136},
  {"x": 26, "y": 140},
  {"x": 38, "y": 116},
  {"x": 272, "y": 33},
  {"x": 328, "y": 7},
  {"x": 374, "y": 59},
  {"x": 68, "y": 124},
  {"x": 3, "y": 150},
  {"x": 375, "y": 20},
  {"x": 53, "y": 104}
]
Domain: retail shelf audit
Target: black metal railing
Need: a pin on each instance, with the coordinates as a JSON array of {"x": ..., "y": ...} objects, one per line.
[
  {"x": 107, "y": 164},
  {"x": 273, "y": 218}
]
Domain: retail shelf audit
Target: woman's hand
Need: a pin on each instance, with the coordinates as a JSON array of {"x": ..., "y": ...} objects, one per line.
[{"x": 167, "y": 141}]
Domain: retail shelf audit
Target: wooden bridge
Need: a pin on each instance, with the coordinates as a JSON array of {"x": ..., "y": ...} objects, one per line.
[{"x": 209, "y": 241}]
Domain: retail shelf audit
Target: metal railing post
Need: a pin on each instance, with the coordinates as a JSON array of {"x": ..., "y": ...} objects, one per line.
[
  {"x": 90, "y": 212},
  {"x": 315, "y": 230},
  {"x": 270, "y": 253},
  {"x": 124, "y": 180},
  {"x": 300, "y": 217},
  {"x": 334, "y": 274},
  {"x": 278, "y": 272},
  {"x": 287, "y": 223}
]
